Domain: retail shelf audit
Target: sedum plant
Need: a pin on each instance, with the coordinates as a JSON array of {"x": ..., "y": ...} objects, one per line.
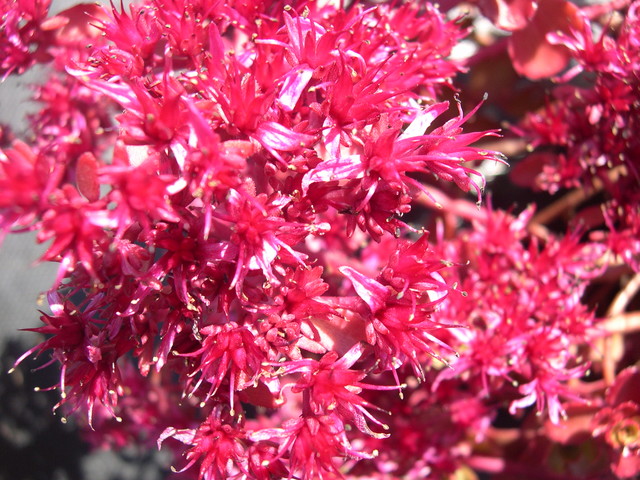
[{"x": 274, "y": 258}]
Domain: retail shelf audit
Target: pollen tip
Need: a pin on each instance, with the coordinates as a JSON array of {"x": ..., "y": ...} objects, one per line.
[
  {"x": 63, "y": 420},
  {"x": 173, "y": 469},
  {"x": 118, "y": 419},
  {"x": 11, "y": 370}
]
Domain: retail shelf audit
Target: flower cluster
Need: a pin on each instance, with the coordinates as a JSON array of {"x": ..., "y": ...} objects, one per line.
[
  {"x": 584, "y": 136},
  {"x": 525, "y": 314},
  {"x": 238, "y": 194}
]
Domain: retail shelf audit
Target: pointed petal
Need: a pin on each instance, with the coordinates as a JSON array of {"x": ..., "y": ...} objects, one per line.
[
  {"x": 373, "y": 293},
  {"x": 350, "y": 167},
  {"x": 295, "y": 82},
  {"x": 274, "y": 136},
  {"x": 424, "y": 120}
]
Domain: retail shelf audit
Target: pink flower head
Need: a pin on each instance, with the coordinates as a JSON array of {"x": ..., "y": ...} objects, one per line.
[
  {"x": 399, "y": 305},
  {"x": 619, "y": 423},
  {"x": 377, "y": 186},
  {"x": 23, "y": 180},
  {"x": 23, "y": 28},
  {"x": 225, "y": 349},
  {"x": 140, "y": 192},
  {"x": 75, "y": 225},
  {"x": 88, "y": 356},
  {"x": 135, "y": 34},
  {"x": 260, "y": 234},
  {"x": 329, "y": 386},
  {"x": 524, "y": 313},
  {"x": 312, "y": 444},
  {"x": 217, "y": 445}
]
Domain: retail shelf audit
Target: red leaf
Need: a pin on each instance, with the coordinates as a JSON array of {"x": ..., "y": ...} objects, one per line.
[
  {"x": 87, "y": 176},
  {"x": 532, "y": 54},
  {"x": 509, "y": 14}
]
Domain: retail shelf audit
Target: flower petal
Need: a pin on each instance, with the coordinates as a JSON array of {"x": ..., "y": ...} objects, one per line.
[{"x": 372, "y": 292}]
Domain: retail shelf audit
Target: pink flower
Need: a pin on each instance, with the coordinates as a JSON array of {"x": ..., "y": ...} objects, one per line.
[
  {"x": 583, "y": 136},
  {"x": 378, "y": 185},
  {"x": 140, "y": 192},
  {"x": 88, "y": 356},
  {"x": 23, "y": 181},
  {"x": 75, "y": 225},
  {"x": 524, "y": 312},
  {"x": 398, "y": 307},
  {"x": 225, "y": 349},
  {"x": 23, "y": 29},
  {"x": 135, "y": 34},
  {"x": 312, "y": 443},
  {"x": 217, "y": 444},
  {"x": 329, "y": 386},
  {"x": 260, "y": 234},
  {"x": 619, "y": 423}
]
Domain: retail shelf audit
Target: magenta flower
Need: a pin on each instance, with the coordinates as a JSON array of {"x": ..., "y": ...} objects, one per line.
[
  {"x": 24, "y": 29},
  {"x": 525, "y": 310},
  {"x": 23, "y": 181},
  {"x": 216, "y": 444},
  {"x": 619, "y": 423},
  {"x": 592, "y": 130},
  {"x": 330, "y": 388},
  {"x": 225, "y": 349},
  {"x": 397, "y": 313}
]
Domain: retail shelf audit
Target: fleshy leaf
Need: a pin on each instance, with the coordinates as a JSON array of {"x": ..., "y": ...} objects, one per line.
[{"x": 532, "y": 54}]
